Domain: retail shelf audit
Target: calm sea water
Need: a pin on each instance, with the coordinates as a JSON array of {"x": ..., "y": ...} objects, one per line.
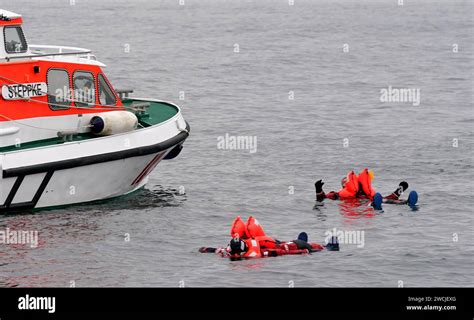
[{"x": 282, "y": 48}]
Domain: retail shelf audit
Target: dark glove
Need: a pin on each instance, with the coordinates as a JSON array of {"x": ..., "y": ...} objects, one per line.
[
  {"x": 401, "y": 188},
  {"x": 404, "y": 185},
  {"x": 319, "y": 186},
  {"x": 272, "y": 253}
]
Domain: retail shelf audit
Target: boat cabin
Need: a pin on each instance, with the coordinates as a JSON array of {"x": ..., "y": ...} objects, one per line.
[{"x": 47, "y": 89}]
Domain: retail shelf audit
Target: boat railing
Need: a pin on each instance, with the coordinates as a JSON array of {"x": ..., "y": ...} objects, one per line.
[
  {"x": 37, "y": 51},
  {"x": 123, "y": 93}
]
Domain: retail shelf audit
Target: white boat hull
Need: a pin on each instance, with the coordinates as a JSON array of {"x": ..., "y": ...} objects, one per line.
[{"x": 86, "y": 183}]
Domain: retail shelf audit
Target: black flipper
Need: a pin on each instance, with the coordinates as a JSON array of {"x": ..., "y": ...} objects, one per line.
[{"x": 333, "y": 244}]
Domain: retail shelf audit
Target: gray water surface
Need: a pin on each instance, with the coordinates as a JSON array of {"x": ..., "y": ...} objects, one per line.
[{"x": 282, "y": 48}]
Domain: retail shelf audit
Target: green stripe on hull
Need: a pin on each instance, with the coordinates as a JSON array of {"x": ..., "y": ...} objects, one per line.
[
  {"x": 157, "y": 112},
  {"x": 79, "y": 204}
]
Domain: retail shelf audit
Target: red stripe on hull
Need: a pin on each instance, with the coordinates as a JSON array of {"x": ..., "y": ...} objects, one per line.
[{"x": 149, "y": 167}]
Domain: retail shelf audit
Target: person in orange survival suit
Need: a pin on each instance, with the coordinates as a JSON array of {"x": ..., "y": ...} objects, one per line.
[
  {"x": 252, "y": 230},
  {"x": 249, "y": 241},
  {"x": 356, "y": 187},
  {"x": 353, "y": 187}
]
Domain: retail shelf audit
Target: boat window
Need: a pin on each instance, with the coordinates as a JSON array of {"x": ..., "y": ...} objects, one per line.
[
  {"x": 15, "y": 41},
  {"x": 59, "y": 97},
  {"x": 106, "y": 94},
  {"x": 84, "y": 89}
]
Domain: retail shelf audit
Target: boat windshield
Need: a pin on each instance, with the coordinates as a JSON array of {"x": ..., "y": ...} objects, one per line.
[
  {"x": 84, "y": 92},
  {"x": 15, "y": 41},
  {"x": 106, "y": 95}
]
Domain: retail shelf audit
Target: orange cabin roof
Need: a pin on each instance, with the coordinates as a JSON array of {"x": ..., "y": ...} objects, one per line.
[
  {"x": 8, "y": 18},
  {"x": 11, "y": 22}
]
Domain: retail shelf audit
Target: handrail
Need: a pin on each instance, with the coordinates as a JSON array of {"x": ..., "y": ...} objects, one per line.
[
  {"x": 37, "y": 51},
  {"x": 60, "y": 49}
]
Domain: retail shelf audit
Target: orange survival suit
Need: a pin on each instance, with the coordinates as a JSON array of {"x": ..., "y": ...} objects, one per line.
[
  {"x": 356, "y": 186},
  {"x": 261, "y": 245}
]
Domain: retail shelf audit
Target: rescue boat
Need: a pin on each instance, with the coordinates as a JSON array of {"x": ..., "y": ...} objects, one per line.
[{"x": 66, "y": 135}]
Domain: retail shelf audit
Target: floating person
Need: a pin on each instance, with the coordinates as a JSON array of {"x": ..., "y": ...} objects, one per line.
[
  {"x": 250, "y": 241},
  {"x": 360, "y": 187}
]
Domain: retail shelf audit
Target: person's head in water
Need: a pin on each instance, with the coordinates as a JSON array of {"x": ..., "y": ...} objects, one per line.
[
  {"x": 303, "y": 236},
  {"x": 237, "y": 246},
  {"x": 343, "y": 182}
]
